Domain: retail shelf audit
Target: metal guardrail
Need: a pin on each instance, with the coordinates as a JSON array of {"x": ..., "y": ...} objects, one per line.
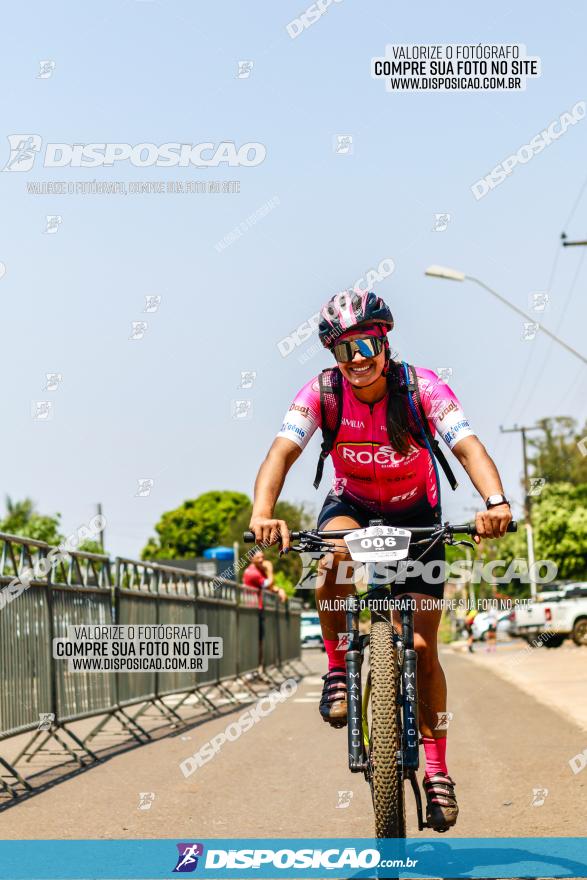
[{"x": 39, "y": 601}]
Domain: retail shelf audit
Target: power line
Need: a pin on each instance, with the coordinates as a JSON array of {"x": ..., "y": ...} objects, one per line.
[
  {"x": 548, "y": 288},
  {"x": 536, "y": 382},
  {"x": 576, "y": 205},
  {"x": 521, "y": 383}
]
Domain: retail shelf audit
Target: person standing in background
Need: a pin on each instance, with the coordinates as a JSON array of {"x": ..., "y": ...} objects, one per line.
[
  {"x": 471, "y": 615},
  {"x": 259, "y": 576}
]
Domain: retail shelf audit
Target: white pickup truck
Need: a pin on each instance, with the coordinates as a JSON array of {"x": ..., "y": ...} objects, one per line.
[{"x": 560, "y": 614}]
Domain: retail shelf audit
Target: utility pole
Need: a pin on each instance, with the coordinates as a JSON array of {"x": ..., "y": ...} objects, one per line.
[
  {"x": 101, "y": 535},
  {"x": 527, "y": 502},
  {"x": 572, "y": 243}
]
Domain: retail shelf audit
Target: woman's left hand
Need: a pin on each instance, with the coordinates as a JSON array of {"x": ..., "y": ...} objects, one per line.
[{"x": 492, "y": 523}]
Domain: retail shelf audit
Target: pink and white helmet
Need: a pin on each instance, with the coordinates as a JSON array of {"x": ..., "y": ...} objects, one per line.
[{"x": 351, "y": 309}]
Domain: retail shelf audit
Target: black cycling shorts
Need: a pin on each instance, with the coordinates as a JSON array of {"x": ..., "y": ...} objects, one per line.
[{"x": 421, "y": 515}]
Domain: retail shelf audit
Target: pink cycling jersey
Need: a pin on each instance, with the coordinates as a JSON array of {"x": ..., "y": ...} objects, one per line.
[{"x": 367, "y": 469}]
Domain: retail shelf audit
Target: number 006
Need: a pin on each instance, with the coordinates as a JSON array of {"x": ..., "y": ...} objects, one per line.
[{"x": 367, "y": 543}]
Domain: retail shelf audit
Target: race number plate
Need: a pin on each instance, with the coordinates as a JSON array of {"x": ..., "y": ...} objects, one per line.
[{"x": 378, "y": 544}]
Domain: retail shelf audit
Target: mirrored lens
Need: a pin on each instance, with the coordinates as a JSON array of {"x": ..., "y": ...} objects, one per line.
[{"x": 367, "y": 347}]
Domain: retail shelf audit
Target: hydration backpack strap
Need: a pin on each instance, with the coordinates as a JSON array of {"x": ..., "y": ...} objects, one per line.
[
  {"x": 418, "y": 411},
  {"x": 330, "y": 385}
]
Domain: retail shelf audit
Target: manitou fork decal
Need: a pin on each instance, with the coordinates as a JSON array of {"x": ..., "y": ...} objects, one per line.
[
  {"x": 410, "y": 710},
  {"x": 353, "y": 660}
]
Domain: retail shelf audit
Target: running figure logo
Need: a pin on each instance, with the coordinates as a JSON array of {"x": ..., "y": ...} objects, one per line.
[
  {"x": 152, "y": 303},
  {"x": 187, "y": 860},
  {"x": 344, "y": 800},
  {"x": 344, "y": 641},
  {"x": 46, "y": 69},
  {"x": 444, "y": 719},
  {"x": 441, "y": 222},
  {"x": 23, "y": 150},
  {"x": 539, "y": 795}
]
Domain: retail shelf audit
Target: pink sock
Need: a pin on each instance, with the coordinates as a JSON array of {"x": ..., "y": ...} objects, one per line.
[
  {"x": 435, "y": 752},
  {"x": 335, "y": 658}
]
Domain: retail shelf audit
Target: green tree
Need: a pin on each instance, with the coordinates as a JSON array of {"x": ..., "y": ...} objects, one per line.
[
  {"x": 511, "y": 546},
  {"x": 23, "y": 520},
  {"x": 559, "y": 517},
  {"x": 195, "y": 525},
  {"x": 287, "y": 568},
  {"x": 555, "y": 452},
  {"x": 559, "y": 510}
]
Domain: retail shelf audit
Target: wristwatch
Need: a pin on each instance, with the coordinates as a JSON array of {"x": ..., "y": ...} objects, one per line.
[{"x": 495, "y": 501}]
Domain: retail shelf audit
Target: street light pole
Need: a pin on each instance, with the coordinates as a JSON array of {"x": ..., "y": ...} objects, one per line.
[
  {"x": 527, "y": 502},
  {"x": 455, "y": 275}
]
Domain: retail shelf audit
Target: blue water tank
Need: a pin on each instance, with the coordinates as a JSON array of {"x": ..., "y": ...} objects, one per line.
[
  {"x": 223, "y": 558},
  {"x": 219, "y": 553}
]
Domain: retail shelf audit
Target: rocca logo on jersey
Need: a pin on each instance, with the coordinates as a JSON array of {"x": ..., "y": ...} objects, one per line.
[{"x": 374, "y": 453}]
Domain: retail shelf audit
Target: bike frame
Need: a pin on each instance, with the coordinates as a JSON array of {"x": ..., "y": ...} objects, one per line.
[{"x": 408, "y": 758}]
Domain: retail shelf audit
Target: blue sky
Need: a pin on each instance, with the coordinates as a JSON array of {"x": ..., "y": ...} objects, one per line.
[{"x": 160, "y": 408}]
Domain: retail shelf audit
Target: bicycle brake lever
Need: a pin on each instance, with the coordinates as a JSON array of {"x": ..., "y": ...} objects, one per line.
[
  {"x": 462, "y": 544},
  {"x": 312, "y": 547}
]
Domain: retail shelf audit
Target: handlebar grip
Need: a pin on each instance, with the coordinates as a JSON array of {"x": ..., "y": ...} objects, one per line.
[
  {"x": 470, "y": 529},
  {"x": 249, "y": 537}
]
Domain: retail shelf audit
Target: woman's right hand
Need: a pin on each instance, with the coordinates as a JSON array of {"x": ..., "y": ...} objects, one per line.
[{"x": 270, "y": 531}]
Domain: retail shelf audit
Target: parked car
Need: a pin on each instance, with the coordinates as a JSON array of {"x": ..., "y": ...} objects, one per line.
[
  {"x": 310, "y": 632},
  {"x": 483, "y": 620},
  {"x": 560, "y": 614}
]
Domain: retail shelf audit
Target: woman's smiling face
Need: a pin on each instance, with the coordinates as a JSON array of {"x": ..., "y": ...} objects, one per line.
[{"x": 362, "y": 371}]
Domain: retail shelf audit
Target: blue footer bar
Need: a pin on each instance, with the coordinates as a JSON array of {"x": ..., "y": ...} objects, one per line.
[{"x": 293, "y": 857}]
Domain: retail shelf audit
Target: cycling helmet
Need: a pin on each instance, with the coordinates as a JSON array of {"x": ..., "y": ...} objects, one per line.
[{"x": 351, "y": 309}]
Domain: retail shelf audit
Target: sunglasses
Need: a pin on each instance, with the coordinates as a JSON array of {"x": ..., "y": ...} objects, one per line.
[{"x": 370, "y": 346}]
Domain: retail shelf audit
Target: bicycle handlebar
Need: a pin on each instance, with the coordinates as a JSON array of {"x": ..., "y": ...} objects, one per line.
[{"x": 462, "y": 529}]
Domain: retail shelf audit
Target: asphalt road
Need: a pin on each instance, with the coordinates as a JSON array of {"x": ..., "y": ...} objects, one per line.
[{"x": 287, "y": 775}]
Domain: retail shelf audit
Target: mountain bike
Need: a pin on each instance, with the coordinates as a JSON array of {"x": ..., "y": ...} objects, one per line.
[{"x": 383, "y": 732}]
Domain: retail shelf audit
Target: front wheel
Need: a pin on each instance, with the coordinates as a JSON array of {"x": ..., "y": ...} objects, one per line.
[{"x": 387, "y": 786}]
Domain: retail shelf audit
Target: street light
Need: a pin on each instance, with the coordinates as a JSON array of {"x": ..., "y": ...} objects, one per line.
[
  {"x": 445, "y": 272},
  {"x": 456, "y": 275}
]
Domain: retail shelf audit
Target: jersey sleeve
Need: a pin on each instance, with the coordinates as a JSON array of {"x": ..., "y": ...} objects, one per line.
[
  {"x": 443, "y": 409},
  {"x": 303, "y": 416}
]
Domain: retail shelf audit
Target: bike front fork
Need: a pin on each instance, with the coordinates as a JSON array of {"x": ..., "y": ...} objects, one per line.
[
  {"x": 409, "y": 754},
  {"x": 410, "y": 750},
  {"x": 353, "y": 662},
  {"x": 407, "y": 692},
  {"x": 409, "y": 687}
]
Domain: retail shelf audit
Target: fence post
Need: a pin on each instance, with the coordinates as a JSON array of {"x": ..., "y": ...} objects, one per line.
[{"x": 51, "y": 630}]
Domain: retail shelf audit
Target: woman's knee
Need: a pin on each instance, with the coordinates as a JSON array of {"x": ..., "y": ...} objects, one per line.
[{"x": 335, "y": 570}]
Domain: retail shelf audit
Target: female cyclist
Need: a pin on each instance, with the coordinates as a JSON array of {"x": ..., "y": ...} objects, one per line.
[{"x": 383, "y": 468}]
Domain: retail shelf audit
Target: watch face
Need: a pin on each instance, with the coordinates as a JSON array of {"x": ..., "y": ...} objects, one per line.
[{"x": 496, "y": 499}]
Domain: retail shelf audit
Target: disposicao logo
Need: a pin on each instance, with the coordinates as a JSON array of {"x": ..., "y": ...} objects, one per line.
[
  {"x": 187, "y": 860},
  {"x": 24, "y": 149}
]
